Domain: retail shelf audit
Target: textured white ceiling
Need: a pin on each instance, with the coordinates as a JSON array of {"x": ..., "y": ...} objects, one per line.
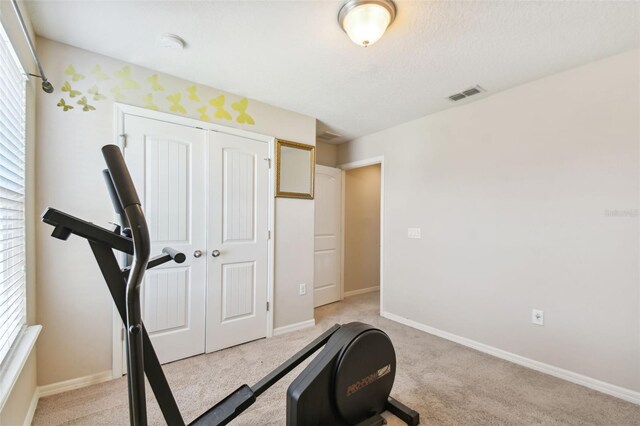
[{"x": 294, "y": 55}]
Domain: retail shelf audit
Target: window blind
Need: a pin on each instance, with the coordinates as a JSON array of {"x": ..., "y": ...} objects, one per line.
[{"x": 12, "y": 186}]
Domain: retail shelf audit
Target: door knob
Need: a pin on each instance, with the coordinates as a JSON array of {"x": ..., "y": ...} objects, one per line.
[
  {"x": 215, "y": 253},
  {"x": 197, "y": 253}
]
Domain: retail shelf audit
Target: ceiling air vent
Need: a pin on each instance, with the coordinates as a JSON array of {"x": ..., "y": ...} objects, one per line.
[
  {"x": 466, "y": 93},
  {"x": 327, "y": 136}
]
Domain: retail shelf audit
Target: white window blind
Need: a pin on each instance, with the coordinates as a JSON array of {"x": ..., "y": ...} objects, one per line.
[{"x": 12, "y": 223}]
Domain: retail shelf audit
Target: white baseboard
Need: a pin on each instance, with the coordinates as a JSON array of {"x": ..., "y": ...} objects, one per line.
[
  {"x": 361, "y": 291},
  {"x": 294, "y": 327},
  {"x": 604, "y": 387},
  {"x": 31, "y": 411},
  {"x": 80, "y": 382}
]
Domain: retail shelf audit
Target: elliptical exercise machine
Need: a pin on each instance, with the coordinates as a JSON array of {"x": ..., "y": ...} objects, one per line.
[{"x": 347, "y": 383}]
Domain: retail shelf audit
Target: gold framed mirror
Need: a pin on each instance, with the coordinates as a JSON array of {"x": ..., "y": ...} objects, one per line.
[{"x": 295, "y": 169}]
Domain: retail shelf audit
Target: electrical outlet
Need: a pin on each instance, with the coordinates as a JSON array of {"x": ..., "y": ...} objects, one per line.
[
  {"x": 303, "y": 289},
  {"x": 537, "y": 317},
  {"x": 413, "y": 233}
]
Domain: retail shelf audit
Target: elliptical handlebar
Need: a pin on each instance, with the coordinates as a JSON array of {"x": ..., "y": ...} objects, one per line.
[
  {"x": 115, "y": 200},
  {"x": 120, "y": 176},
  {"x": 174, "y": 254},
  {"x": 130, "y": 203}
]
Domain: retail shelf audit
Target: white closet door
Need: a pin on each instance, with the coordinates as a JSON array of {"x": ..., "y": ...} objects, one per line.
[
  {"x": 168, "y": 166},
  {"x": 327, "y": 241},
  {"x": 237, "y": 230}
]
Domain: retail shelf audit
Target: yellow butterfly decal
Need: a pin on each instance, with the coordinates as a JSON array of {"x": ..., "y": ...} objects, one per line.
[
  {"x": 241, "y": 107},
  {"x": 64, "y": 106},
  {"x": 218, "y": 104},
  {"x": 66, "y": 87},
  {"x": 203, "y": 113},
  {"x": 100, "y": 76},
  {"x": 97, "y": 96},
  {"x": 154, "y": 83},
  {"x": 192, "y": 93},
  {"x": 117, "y": 93},
  {"x": 148, "y": 102},
  {"x": 175, "y": 103},
  {"x": 85, "y": 105},
  {"x": 125, "y": 75},
  {"x": 72, "y": 72}
]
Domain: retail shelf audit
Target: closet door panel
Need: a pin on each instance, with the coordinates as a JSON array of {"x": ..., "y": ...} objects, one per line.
[
  {"x": 168, "y": 165},
  {"x": 238, "y": 206}
]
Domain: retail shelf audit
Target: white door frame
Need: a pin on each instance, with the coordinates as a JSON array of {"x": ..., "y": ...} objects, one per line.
[
  {"x": 355, "y": 165},
  {"x": 118, "y": 367}
]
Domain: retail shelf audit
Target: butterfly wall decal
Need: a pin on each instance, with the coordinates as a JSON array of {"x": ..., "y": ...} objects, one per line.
[
  {"x": 126, "y": 82},
  {"x": 66, "y": 87},
  {"x": 203, "y": 113},
  {"x": 192, "y": 93},
  {"x": 218, "y": 104},
  {"x": 125, "y": 79},
  {"x": 97, "y": 96},
  {"x": 85, "y": 106},
  {"x": 117, "y": 93},
  {"x": 148, "y": 102},
  {"x": 64, "y": 105},
  {"x": 175, "y": 103},
  {"x": 100, "y": 76},
  {"x": 153, "y": 80},
  {"x": 241, "y": 107},
  {"x": 71, "y": 71}
]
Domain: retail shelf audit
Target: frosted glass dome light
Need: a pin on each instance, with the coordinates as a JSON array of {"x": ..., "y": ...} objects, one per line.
[{"x": 365, "y": 21}]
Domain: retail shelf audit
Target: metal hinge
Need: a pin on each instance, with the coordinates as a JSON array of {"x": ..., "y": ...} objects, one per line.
[
  {"x": 269, "y": 161},
  {"x": 122, "y": 334},
  {"x": 269, "y": 234},
  {"x": 123, "y": 141},
  {"x": 267, "y": 306}
]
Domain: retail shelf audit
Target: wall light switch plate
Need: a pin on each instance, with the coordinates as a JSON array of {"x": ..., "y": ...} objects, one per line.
[
  {"x": 537, "y": 317},
  {"x": 303, "y": 289},
  {"x": 413, "y": 233}
]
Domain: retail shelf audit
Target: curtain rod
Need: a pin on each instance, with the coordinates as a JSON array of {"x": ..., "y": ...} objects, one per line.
[{"x": 46, "y": 86}]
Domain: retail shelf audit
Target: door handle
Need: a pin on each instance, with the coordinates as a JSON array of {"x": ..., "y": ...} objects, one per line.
[
  {"x": 197, "y": 253},
  {"x": 215, "y": 253}
]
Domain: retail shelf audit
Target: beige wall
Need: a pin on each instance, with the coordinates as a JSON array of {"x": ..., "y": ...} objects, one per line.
[
  {"x": 326, "y": 154},
  {"x": 75, "y": 308},
  {"x": 526, "y": 199},
  {"x": 16, "y": 407},
  {"x": 362, "y": 228}
]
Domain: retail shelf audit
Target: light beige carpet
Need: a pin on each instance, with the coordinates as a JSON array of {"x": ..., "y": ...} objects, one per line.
[{"x": 447, "y": 383}]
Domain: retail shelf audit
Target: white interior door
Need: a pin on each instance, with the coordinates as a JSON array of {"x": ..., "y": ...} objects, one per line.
[
  {"x": 238, "y": 231},
  {"x": 328, "y": 194},
  {"x": 168, "y": 166}
]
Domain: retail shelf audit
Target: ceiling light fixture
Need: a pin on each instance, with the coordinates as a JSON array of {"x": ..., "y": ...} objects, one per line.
[{"x": 365, "y": 21}]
